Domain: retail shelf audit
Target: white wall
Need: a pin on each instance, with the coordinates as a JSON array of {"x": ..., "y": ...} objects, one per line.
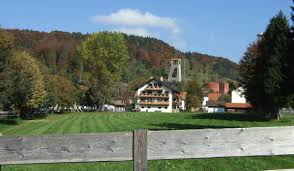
[
  {"x": 154, "y": 108},
  {"x": 183, "y": 105},
  {"x": 205, "y": 100},
  {"x": 216, "y": 109},
  {"x": 237, "y": 96}
]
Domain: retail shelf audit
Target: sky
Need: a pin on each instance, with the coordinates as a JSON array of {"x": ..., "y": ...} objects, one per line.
[{"x": 215, "y": 27}]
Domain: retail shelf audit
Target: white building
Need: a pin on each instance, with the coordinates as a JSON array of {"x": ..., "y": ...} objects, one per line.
[
  {"x": 158, "y": 96},
  {"x": 237, "y": 96},
  {"x": 204, "y": 103},
  {"x": 238, "y": 102},
  {"x": 215, "y": 107}
]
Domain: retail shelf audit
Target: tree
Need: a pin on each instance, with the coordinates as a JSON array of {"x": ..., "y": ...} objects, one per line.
[
  {"x": 25, "y": 86},
  {"x": 104, "y": 54},
  {"x": 60, "y": 91},
  {"x": 225, "y": 98},
  {"x": 247, "y": 73},
  {"x": 262, "y": 68},
  {"x": 289, "y": 70},
  {"x": 6, "y": 44},
  {"x": 194, "y": 94}
]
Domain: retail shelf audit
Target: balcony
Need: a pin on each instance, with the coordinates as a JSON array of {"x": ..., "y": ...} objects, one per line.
[
  {"x": 154, "y": 95},
  {"x": 154, "y": 103},
  {"x": 153, "y": 88}
]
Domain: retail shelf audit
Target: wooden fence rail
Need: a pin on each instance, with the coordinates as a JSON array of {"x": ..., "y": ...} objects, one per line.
[{"x": 143, "y": 145}]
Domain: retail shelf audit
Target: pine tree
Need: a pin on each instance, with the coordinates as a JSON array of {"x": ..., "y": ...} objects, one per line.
[
  {"x": 289, "y": 69},
  {"x": 269, "y": 67}
]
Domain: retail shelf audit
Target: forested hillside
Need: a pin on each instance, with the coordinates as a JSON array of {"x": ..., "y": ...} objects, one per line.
[{"x": 148, "y": 57}]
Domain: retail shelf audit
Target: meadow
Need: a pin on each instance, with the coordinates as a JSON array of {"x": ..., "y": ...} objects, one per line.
[{"x": 73, "y": 123}]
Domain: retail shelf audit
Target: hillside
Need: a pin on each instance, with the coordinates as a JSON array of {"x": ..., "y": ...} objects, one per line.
[{"x": 148, "y": 56}]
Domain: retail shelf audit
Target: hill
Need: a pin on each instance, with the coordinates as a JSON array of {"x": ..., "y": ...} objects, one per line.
[{"x": 148, "y": 56}]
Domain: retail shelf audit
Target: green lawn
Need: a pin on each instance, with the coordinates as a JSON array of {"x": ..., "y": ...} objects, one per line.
[{"x": 111, "y": 122}]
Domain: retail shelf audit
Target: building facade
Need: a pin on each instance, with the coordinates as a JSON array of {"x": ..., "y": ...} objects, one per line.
[
  {"x": 155, "y": 96},
  {"x": 237, "y": 96}
]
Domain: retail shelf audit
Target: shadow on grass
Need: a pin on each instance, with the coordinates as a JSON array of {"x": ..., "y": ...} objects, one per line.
[
  {"x": 8, "y": 121},
  {"x": 231, "y": 117},
  {"x": 175, "y": 126}
]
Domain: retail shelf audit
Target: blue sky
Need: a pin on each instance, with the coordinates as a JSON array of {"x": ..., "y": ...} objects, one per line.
[{"x": 215, "y": 27}]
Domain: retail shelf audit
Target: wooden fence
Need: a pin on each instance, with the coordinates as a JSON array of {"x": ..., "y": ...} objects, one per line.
[{"x": 143, "y": 145}]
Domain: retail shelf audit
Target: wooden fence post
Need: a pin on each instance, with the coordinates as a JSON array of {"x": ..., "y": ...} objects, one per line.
[{"x": 140, "y": 150}]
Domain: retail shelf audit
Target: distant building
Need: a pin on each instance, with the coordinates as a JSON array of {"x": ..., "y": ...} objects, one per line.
[
  {"x": 215, "y": 107},
  {"x": 213, "y": 96},
  {"x": 218, "y": 87},
  {"x": 213, "y": 87},
  {"x": 175, "y": 70},
  {"x": 212, "y": 93},
  {"x": 224, "y": 88},
  {"x": 237, "y": 96},
  {"x": 238, "y": 102},
  {"x": 158, "y": 96}
]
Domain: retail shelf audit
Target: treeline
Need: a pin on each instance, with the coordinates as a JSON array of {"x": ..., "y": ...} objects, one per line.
[{"x": 148, "y": 56}]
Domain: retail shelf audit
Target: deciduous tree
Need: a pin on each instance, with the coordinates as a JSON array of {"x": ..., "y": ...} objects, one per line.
[
  {"x": 194, "y": 95},
  {"x": 61, "y": 91},
  {"x": 6, "y": 45},
  {"x": 25, "y": 89},
  {"x": 104, "y": 53}
]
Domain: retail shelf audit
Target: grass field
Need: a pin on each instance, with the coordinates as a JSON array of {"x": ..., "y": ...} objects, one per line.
[{"x": 116, "y": 122}]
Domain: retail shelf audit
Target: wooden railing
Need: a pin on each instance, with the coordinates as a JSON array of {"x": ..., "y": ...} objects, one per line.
[
  {"x": 154, "y": 103},
  {"x": 143, "y": 145}
]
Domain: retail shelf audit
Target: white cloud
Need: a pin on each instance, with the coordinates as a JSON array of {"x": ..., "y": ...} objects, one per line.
[
  {"x": 136, "y": 22},
  {"x": 136, "y": 18},
  {"x": 134, "y": 31}
]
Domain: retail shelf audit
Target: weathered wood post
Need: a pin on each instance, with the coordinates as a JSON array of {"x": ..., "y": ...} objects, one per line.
[{"x": 140, "y": 150}]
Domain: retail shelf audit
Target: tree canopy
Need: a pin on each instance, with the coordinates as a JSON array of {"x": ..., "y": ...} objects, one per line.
[
  {"x": 6, "y": 45},
  {"x": 104, "y": 54},
  {"x": 25, "y": 89},
  {"x": 194, "y": 94}
]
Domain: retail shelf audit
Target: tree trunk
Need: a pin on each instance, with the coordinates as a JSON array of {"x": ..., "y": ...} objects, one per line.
[
  {"x": 25, "y": 113},
  {"x": 276, "y": 114}
]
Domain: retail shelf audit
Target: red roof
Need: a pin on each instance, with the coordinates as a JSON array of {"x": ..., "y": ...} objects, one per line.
[
  {"x": 213, "y": 96},
  {"x": 238, "y": 105}
]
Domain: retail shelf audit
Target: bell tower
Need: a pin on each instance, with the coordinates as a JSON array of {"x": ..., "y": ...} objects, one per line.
[{"x": 175, "y": 70}]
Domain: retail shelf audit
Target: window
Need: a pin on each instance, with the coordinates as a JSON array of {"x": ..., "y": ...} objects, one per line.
[
  {"x": 175, "y": 72},
  {"x": 148, "y": 107},
  {"x": 165, "y": 107},
  {"x": 159, "y": 107},
  {"x": 142, "y": 107}
]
